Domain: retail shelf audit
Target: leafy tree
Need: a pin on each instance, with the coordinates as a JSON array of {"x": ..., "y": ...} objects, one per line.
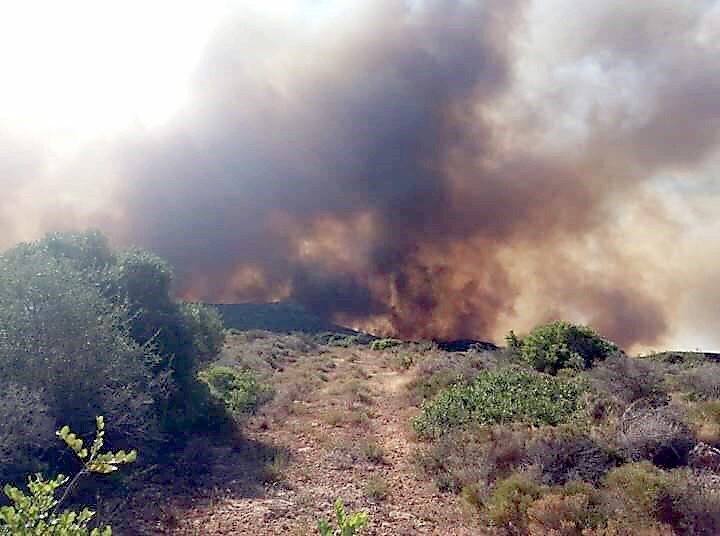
[{"x": 562, "y": 344}]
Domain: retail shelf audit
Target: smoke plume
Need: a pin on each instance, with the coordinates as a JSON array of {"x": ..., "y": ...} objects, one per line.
[{"x": 439, "y": 168}]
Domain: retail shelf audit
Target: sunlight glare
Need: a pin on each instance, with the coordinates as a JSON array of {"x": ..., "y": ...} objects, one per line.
[{"x": 83, "y": 67}]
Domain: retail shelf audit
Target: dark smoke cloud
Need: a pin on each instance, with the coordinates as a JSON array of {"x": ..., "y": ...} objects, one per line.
[{"x": 438, "y": 168}]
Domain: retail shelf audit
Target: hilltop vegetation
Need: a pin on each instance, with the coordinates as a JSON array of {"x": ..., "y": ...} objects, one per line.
[{"x": 247, "y": 431}]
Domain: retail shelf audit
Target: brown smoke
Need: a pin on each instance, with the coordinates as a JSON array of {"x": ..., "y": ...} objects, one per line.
[{"x": 439, "y": 168}]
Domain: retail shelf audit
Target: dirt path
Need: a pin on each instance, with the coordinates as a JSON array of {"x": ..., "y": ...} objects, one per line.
[{"x": 349, "y": 438}]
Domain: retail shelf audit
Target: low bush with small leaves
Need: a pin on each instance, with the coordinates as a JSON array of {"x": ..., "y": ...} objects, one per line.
[
  {"x": 385, "y": 344},
  {"x": 347, "y": 524},
  {"x": 473, "y": 456},
  {"x": 566, "y": 511},
  {"x": 563, "y": 454},
  {"x": 501, "y": 396},
  {"x": 239, "y": 390},
  {"x": 680, "y": 502},
  {"x": 37, "y": 513},
  {"x": 701, "y": 382},
  {"x": 507, "y": 505},
  {"x": 643, "y": 492}
]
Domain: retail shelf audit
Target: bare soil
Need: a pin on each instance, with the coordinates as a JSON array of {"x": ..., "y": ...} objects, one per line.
[{"x": 349, "y": 437}]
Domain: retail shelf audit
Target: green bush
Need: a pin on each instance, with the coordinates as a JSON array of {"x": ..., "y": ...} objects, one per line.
[
  {"x": 644, "y": 491},
  {"x": 384, "y": 344},
  {"x": 344, "y": 341},
  {"x": 562, "y": 344},
  {"x": 61, "y": 339},
  {"x": 93, "y": 331},
  {"x": 348, "y": 524},
  {"x": 509, "y": 501},
  {"x": 37, "y": 514},
  {"x": 239, "y": 390},
  {"x": 501, "y": 396}
]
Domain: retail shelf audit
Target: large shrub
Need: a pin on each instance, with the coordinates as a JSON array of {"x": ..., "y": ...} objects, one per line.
[
  {"x": 562, "y": 344},
  {"x": 62, "y": 340},
  {"x": 89, "y": 330},
  {"x": 501, "y": 396}
]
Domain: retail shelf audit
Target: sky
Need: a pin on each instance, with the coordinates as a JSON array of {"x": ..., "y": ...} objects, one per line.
[{"x": 426, "y": 168}]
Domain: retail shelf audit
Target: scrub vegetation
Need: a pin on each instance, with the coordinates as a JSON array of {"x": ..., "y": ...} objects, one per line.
[{"x": 250, "y": 431}]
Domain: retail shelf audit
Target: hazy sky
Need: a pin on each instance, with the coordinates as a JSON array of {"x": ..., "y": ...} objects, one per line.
[{"x": 428, "y": 168}]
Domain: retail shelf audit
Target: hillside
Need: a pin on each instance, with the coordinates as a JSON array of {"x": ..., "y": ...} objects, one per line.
[
  {"x": 343, "y": 422},
  {"x": 277, "y": 317}
]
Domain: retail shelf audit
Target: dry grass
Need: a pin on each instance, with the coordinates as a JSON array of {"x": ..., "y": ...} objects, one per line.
[
  {"x": 376, "y": 489},
  {"x": 373, "y": 452},
  {"x": 275, "y": 470}
]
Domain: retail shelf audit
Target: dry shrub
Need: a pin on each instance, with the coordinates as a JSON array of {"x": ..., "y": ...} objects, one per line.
[
  {"x": 299, "y": 383},
  {"x": 353, "y": 392},
  {"x": 705, "y": 421},
  {"x": 627, "y": 379},
  {"x": 342, "y": 455},
  {"x": 704, "y": 457},
  {"x": 618, "y": 528},
  {"x": 264, "y": 352},
  {"x": 654, "y": 433},
  {"x": 507, "y": 505},
  {"x": 195, "y": 460},
  {"x": 376, "y": 489},
  {"x": 438, "y": 370},
  {"x": 557, "y": 515},
  {"x": 564, "y": 454},
  {"x": 701, "y": 382},
  {"x": 276, "y": 467},
  {"x": 698, "y": 501},
  {"x": 373, "y": 452},
  {"x": 478, "y": 455}
]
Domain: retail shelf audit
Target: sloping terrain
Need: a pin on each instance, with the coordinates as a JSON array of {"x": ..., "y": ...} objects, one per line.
[
  {"x": 278, "y": 317},
  {"x": 338, "y": 427}
]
